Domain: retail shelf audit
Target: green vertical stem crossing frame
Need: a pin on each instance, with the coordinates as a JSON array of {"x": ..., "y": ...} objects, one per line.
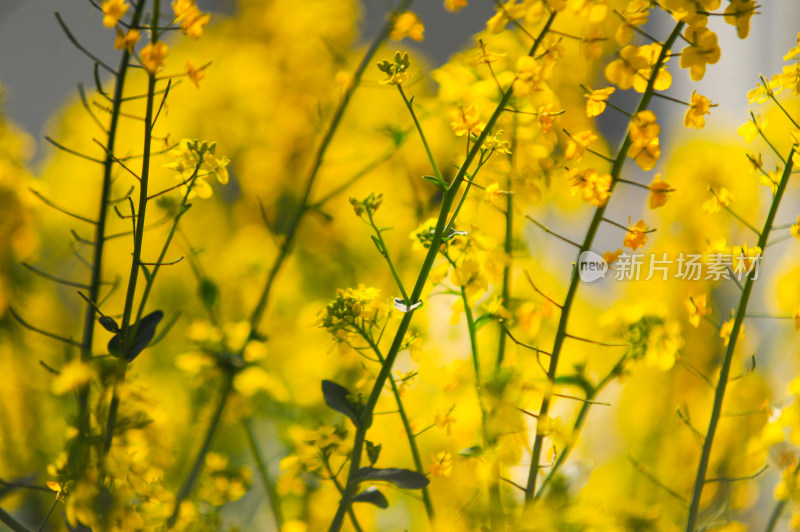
[
  {"x": 724, "y": 373},
  {"x": 447, "y": 202},
  {"x": 561, "y": 332}
]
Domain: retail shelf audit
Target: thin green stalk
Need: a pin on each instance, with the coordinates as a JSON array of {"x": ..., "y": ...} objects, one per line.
[
  {"x": 412, "y": 438},
  {"x": 47, "y": 517},
  {"x": 561, "y": 332},
  {"x": 286, "y": 247},
  {"x": 740, "y": 219},
  {"x": 197, "y": 468},
  {"x": 128, "y": 332},
  {"x": 384, "y": 250},
  {"x": 719, "y": 393},
  {"x": 8, "y": 520},
  {"x": 96, "y": 280},
  {"x": 269, "y": 486},
  {"x": 508, "y": 247},
  {"x": 775, "y": 516},
  {"x": 495, "y": 503},
  {"x": 579, "y": 421},
  {"x": 149, "y": 282},
  {"x": 437, "y": 174},
  {"x": 463, "y": 198},
  {"x": 261, "y": 306},
  {"x": 436, "y": 242},
  {"x": 340, "y": 489}
]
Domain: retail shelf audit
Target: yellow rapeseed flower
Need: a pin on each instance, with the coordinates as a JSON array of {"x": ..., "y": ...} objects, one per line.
[
  {"x": 594, "y": 11},
  {"x": 126, "y": 40},
  {"x": 636, "y": 236},
  {"x": 760, "y": 94},
  {"x": 191, "y": 19},
  {"x": 790, "y": 78},
  {"x": 693, "y": 12},
  {"x": 442, "y": 464},
  {"x": 750, "y": 129},
  {"x": 593, "y": 187},
  {"x": 622, "y": 71},
  {"x": 407, "y": 24},
  {"x": 795, "y": 229},
  {"x": 455, "y": 6},
  {"x": 577, "y": 144},
  {"x": 612, "y": 256},
  {"x": 738, "y": 13},
  {"x": 703, "y": 51},
  {"x": 723, "y": 198},
  {"x": 696, "y": 307},
  {"x": 506, "y": 12},
  {"x": 659, "y": 191},
  {"x": 634, "y": 15},
  {"x": 726, "y": 330},
  {"x": 596, "y": 101},
  {"x": 113, "y": 10},
  {"x": 698, "y": 107},
  {"x": 466, "y": 122},
  {"x": 645, "y": 148},
  {"x": 153, "y": 56},
  {"x": 195, "y": 74}
]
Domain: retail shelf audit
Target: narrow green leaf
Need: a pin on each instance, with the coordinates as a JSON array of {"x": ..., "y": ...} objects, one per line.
[
  {"x": 145, "y": 331},
  {"x": 372, "y": 496},
  {"x": 208, "y": 292},
  {"x": 402, "y": 478},
  {"x": 373, "y": 452},
  {"x": 483, "y": 320},
  {"x": 147, "y": 275},
  {"x": 378, "y": 245},
  {"x": 436, "y": 181},
  {"x": 471, "y": 452},
  {"x": 109, "y": 324},
  {"x": 338, "y": 398}
]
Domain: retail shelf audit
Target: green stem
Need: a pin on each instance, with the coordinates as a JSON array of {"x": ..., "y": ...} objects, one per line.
[
  {"x": 340, "y": 489},
  {"x": 508, "y": 247},
  {"x": 128, "y": 331},
  {"x": 180, "y": 212},
  {"x": 561, "y": 332},
  {"x": 385, "y": 252},
  {"x": 495, "y": 503},
  {"x": 428, "y": 151},
  {"x": 197, "y": 468},
  {"x": 719, "y": 393},
  {"x": 412, "y": 438},
  {"x": 741, "y": 220},
  {"x": 8, "y": 520},
  {"x": 99, "y": 245},
  {"x": 261, "y": 306},
  {"x": 436, "y": 242},
  {"x": 463, "y": 198},
  {"x": 291, "y": 233},
  {"x": 269, "y": 486},
  {"x": 47, "y": 517},
  {"x": 775, "y": 516},
  {"x": 579, "y": 421}
]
